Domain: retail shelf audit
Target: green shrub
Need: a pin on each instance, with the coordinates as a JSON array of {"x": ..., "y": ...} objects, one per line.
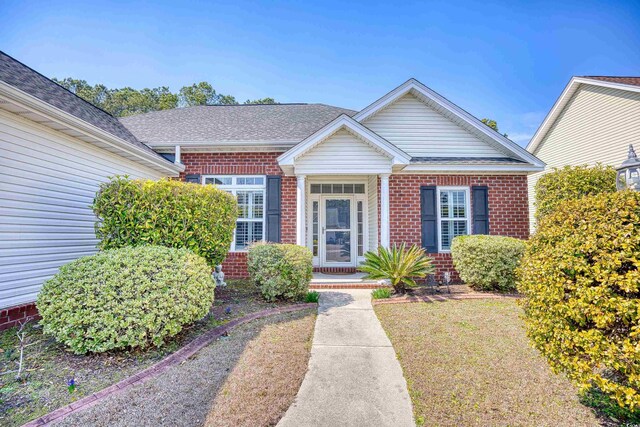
[
  {"x": 572, "y": 182},
  {"x": 167, "y": 213},
  {"x": 487, "y": 263},
  {"x": 125, "y": 298},
  {"x": 312, "y": 296},
  {"x": 381, "y": 293},
  {"x": 399, "y": 265},
  {"x": 281, "y": 271},
  {"x": 581, "y": 280}
]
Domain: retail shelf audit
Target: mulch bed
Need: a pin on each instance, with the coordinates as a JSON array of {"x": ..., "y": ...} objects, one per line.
[{"x": 443, "y": 293}]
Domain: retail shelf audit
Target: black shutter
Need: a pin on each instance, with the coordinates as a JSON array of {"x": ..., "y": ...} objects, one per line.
[
  {"x": 429, "y": 218},
  {"x": 272, "y": 232},
  {"x": 480, "y": 202},
  {"x": 192, "y": 178}
]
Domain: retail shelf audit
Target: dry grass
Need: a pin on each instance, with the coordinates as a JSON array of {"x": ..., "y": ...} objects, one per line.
[
  {"x": 267, "y": 377},
  {"x": 469, "y": 363}
]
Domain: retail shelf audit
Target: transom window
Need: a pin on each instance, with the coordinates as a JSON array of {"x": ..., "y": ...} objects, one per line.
[
  {"x": 250, "y": 192},
  {"x": 337, "y": 188},
  {"x": 453, "y": 215}
]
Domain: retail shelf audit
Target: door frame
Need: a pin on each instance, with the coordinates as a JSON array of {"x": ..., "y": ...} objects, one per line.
[{"x": 322, "y": 232}]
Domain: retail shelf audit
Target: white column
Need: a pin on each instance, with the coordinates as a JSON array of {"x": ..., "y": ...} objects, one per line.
[
  {"x": 384, "y": 210},
  {"x": 177, "y": 159},
  {"x": 300, "y": 218}
]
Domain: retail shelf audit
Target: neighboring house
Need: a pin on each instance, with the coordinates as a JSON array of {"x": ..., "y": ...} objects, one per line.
[
  {"x": 593, "y": 121},
  {"x": 411, "y": 167},
  {"x": 55, "y": 150}
]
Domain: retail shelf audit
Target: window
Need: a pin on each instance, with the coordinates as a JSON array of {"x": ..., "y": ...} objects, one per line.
[
  {"x": 453, "y": 215},
  {"x": 250, "y": 192},
  {"x": 337, "y": 189}
]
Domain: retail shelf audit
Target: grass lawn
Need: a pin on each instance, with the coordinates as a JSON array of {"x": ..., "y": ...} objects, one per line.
[
  {"x": 49, "y": 366},
  {"x": 469, "y": 363}
]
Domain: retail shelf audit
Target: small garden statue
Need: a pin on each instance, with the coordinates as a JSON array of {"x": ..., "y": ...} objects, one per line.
[{"x": 218, "y": 276}]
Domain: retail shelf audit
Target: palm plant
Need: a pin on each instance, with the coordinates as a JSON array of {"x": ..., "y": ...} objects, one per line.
[{"x": 399, "y": 265}]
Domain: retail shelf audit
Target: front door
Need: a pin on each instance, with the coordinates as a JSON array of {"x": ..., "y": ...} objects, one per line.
[{"x": 337, "y": 232}]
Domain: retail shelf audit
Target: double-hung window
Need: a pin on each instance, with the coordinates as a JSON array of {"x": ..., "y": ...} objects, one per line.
[
  {"x": 453, "y": 214},
  {"x": 250, "y": 192}
]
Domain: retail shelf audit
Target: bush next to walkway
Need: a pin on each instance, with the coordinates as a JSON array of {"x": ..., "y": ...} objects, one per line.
[
  {"x": 487, "y": 263},
  {"x": 281, "y": 271},
  {"x": 572, "y": 182},
  {"x": 125, "y": 298},
  {"x": 581, "y": 278},
  {"x": 167, "y": 213}
]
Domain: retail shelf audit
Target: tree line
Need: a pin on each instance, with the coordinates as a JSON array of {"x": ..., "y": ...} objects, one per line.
[{"x": 127, "y": 101}]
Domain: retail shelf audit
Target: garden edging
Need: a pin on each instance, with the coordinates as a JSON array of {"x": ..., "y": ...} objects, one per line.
[
  {"x": 442, "y": 298},
  {"x": 173, "y": 359}
]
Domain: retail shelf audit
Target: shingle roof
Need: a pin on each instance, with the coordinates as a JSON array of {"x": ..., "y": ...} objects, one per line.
[
  {"x": 20, "y": 76},
  {"x": 635, "y": 81},
  {"x": 220, "y": 123},
  {"x": 467, "y": 160}
]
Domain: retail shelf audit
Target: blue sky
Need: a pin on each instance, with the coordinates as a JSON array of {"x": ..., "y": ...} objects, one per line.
[{"x": 504, "y": 60}]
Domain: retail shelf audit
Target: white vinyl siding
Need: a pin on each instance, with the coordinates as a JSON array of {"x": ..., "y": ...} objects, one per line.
[
  {"x": 596, "y": 126},
  {"x": 47, "y": 182},
  {"x": 421, "y": 131},
  {"x": 342, "y": 152}
]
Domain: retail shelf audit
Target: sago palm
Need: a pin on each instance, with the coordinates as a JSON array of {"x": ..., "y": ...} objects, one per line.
[{"x": 399, "y": 265}]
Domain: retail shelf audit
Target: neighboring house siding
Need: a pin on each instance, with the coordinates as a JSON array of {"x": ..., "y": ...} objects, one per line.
[
  {"x": 596, "y": 125},
  {"x": 508, "y": 207},
  {"x": 247, "y": 163},
  {"x": 342, "y": 151},
  {"x": 48, "y": 182},
  {"x": 422, "y": 131}
]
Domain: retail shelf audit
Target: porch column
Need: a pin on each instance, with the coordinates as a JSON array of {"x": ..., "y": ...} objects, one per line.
[
  {"x": 300, "y": 218},
  {"x": 384, "y": 211}
]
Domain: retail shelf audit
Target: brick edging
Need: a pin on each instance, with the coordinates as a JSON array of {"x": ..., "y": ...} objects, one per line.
[
  {"x": 313, "y": 286},
  {"x": 442, "y": 298},
  {"x": 173, "y": 359}
]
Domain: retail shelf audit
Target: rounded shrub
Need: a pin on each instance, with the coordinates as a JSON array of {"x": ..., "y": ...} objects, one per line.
[
  {"x": 572, "y": 182},
  {"x": 125, "y": 298},
  {"x": 167, "y": 213},
  {"x": 581, "y": 279},
  {"x": 281, "y": 271},
  {"x": 487, "y": 263}
]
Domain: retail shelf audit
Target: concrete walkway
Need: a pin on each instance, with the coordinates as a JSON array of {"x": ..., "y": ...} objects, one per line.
[{"x": 354, "y": 378}]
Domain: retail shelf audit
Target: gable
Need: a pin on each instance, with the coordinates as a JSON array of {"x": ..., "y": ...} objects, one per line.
[
  {"x": 340, "y": 153},
  {"x": 421, "y": 131},
  {"x": 597, "y": 124}
]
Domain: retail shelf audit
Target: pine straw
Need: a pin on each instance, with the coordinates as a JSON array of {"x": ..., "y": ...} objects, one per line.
[
  {"x": 469, "y": 363},
  {"x": 266, "y": 379}
]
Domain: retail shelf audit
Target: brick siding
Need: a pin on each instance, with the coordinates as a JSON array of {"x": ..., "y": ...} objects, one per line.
[{"x": 10, "y": 317}]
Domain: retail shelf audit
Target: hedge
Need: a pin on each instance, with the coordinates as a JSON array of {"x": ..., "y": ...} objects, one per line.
[
  {"x": 281, "y": 271},
  {"x": 125, "y": 298},
  {"x": 487, "y": 263},
  {"x": 167, "y": 213},
  {"x": 581, "y": 278},
  {"x": 572, "y": 182}
]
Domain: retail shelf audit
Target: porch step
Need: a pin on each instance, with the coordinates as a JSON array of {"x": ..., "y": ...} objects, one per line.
[
  {"x": 356, "y": 285},
  {"x": 344, "y": 281}
]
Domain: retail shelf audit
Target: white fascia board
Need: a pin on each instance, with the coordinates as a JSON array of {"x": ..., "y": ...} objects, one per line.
[
  {"x": 398, "y": 156},
  {"x": 563, "y": 99},
  {"x": 57, "y": 115},
  {"x": 453, "y": 168},
  {"x": 445, "y": 104}
]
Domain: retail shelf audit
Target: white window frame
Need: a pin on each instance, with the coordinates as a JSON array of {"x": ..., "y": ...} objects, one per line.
[
  {"x": 233, "y": 188},
  {"x": 467, "y": 199}
]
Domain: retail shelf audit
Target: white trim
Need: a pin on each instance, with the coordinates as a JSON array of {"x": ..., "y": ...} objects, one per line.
[
  {"x": 233, "y": 188},
  {"x": 398, "y": 156},
  {"x": 457, "y": 168},
  {"x": 563, "y": 99},
  {"x": 177, "y": 160},
  {"x": 385, "y": 226},
  {"x": 467, "y": 191},
  {"x": 57, "y": 115},
  {"x": 412, "y": 85}
]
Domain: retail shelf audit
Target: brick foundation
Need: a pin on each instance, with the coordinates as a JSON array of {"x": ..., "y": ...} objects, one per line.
[{"x": 10, "y": 317}]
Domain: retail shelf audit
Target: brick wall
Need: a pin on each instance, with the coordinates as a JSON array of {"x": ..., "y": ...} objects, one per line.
[
  {"x": 508, "y": 207},
  {"x": 9, "y": 317}
]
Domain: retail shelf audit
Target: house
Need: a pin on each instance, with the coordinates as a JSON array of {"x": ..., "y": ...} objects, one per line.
[
  {"x": 55, "y": 150},
  {"x": 411, "y": 167},
  {"x": 593, "y": 121}
]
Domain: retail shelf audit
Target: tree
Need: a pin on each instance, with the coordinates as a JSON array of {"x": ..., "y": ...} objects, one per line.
[
  {"x": 203, "y": 94},
  {"x": 493, "y": 125},
  {"x": 260, "y": 101}
]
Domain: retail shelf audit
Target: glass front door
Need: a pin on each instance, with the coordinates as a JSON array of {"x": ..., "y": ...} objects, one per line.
[{"x": 337, "y": 231}]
